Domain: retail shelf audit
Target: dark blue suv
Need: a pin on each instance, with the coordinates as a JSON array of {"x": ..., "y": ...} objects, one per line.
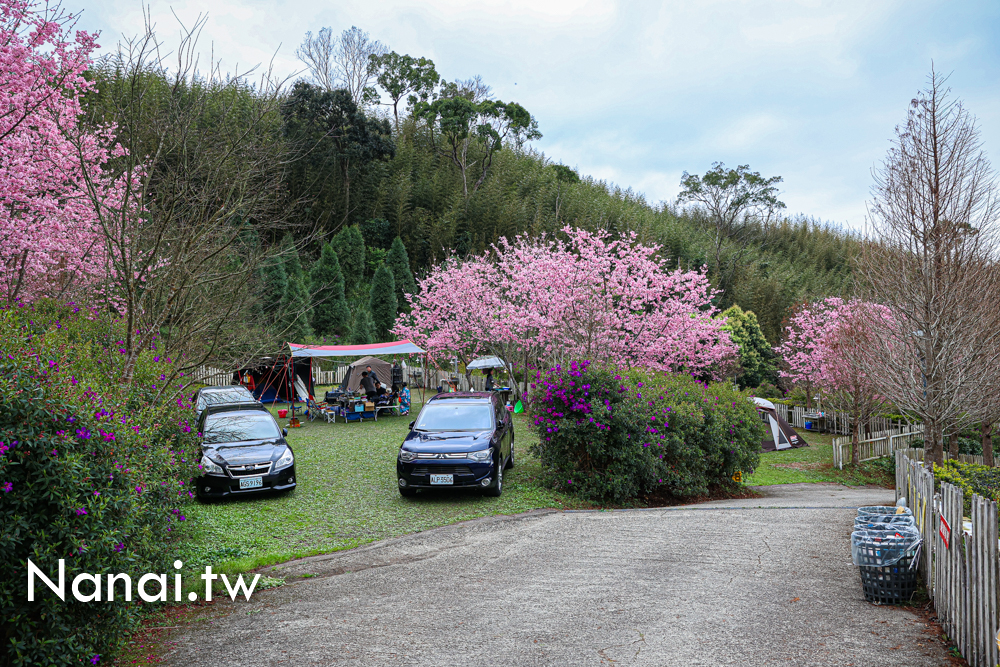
[{"x": 462, "y": 440}]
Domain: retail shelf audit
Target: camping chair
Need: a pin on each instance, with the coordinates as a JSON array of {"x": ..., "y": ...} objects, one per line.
[{"x": 320, "y": 410}]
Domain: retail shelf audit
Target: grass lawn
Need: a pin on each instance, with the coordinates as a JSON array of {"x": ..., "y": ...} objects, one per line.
[
  {"x": 347, "y": 496},
  {"x": 815, "y": 464}
]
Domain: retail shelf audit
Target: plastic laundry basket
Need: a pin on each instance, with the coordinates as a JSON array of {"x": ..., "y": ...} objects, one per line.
[{"x": 887, "y": 561}]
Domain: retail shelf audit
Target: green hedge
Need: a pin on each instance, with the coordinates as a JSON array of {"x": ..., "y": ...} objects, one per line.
[
  {"x": 616, "y": 436},
  {"x": 971, "y": 477},
  {"x": 90, "y": 472}
]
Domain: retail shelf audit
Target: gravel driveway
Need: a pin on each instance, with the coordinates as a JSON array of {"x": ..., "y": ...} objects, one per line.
[{"x": 755, "y": 582}]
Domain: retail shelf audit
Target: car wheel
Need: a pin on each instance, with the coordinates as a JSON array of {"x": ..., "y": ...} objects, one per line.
[
  {"x": 496, "y": 488},
  {"x": 407, "y": 493}
]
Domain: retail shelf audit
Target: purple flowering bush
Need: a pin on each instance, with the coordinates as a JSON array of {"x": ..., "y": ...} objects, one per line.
[
  {"x": 91, "y": 471},
  {"x": 618, "y": 436}
]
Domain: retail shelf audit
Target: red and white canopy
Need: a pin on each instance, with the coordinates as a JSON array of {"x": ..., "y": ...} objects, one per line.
[{"x": 374, "y": 350}]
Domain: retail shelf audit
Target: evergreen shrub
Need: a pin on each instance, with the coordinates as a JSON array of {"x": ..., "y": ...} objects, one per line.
[
  {"x": 92, "y": 471},
  {"x": 616, "y": 436}
]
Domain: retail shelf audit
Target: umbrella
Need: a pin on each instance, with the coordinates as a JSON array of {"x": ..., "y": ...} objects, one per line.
[{"x": 486, "y": 362}]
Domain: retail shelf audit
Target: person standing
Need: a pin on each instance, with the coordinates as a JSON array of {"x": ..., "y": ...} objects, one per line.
[
  {"x": 489, "y": 379},
  {"x": 404, "y": 400},
  {"x": 368, "y": 384}
]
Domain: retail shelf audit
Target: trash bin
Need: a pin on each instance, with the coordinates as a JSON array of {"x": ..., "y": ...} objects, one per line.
[
  {"x": 883, "y": 521},
  {"x": 884, "y": 510},
  {"x": 887, "y": 561}
]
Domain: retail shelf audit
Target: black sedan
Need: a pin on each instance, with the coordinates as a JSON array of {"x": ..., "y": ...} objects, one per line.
[
  {"x": 462, "y": 440},
  {"x": 234, "y": 394},
  {"x": 243, "y": 451}
]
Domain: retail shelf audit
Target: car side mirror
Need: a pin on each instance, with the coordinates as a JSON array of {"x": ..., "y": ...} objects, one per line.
[
  {"x": 411, "y": 424},
  {"x": 284, "y": 433}
]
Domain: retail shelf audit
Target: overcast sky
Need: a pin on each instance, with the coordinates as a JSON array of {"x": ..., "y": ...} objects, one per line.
[{"x": 638, "y": 92}]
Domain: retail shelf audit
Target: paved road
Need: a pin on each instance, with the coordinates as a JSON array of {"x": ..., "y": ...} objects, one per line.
[{"x": 760, "y": 582}]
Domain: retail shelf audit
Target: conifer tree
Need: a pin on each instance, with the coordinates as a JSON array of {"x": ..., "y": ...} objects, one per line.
[
  {"x": 273, "y": 284},
  {"x": 382, "y": 302},
  {"x": 331, "y": 314},
  {"x": 296, "y": 311},
  {"x": 350, "y": 248},
  {"x": 293, "y": 263},
  {"x": 399, "y": 264},
  {"x": 363, "y": 332},
  {"x": 756, "y": 356}
]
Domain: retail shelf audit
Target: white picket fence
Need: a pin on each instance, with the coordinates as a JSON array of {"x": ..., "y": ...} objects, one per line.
[
  {"x": 882, "y": 443},
  {"x": 962, "y": 573},
  {"x": 214, "y": 377},
  {"x": 832, "y": 421}
]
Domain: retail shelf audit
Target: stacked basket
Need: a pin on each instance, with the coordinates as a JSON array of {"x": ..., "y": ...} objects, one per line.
[{"x": 885, "y": 546}]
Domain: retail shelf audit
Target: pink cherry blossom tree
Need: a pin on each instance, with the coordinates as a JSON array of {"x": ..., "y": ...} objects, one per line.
[
  {"x": 825, "y": 347},
  {"x": 544, "y": 299},
  {"x": 49, "y": 241}
]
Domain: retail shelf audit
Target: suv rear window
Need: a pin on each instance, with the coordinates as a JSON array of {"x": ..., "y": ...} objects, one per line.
[{"x": 454, "y": 416}]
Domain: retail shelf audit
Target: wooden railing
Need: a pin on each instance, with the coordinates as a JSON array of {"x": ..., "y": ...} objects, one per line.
[
  {"x": 962, "y": 573},
  {"x": 883, "y": 443},
  {"x": 214, "y": 377}
]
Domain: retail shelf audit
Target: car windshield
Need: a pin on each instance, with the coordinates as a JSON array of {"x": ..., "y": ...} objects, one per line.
[
  {"x": 240, "y": 428},
  {"x": 449, "y": 416},
  {"x": 235, "y": 395}
]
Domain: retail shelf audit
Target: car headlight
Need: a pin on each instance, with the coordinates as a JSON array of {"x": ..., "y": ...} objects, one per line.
[
  {"x": 210, "y": 467},
  {"x": 482, "y": 455},
  {"x": 286, "y": 459},
  {"x": 406, "y": 456}
]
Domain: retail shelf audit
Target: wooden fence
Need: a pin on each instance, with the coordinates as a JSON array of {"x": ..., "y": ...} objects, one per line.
[
  {"x": 961, "y": 572},
  {"x": 879, "y": 444},
  {"x": 833, "y": 421},
  {"x": 214, "y": 377}
]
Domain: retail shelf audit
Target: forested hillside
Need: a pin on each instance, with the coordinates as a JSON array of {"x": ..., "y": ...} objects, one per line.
[{"x": 448, "y": 169}]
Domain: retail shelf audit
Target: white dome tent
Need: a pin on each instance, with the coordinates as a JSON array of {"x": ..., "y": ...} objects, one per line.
[{"x": 780, "y": 434}]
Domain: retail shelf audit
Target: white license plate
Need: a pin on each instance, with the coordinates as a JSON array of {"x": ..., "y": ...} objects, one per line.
[
  {"x": 251, "y": 482},
  {"x": 442, "y": 479}
]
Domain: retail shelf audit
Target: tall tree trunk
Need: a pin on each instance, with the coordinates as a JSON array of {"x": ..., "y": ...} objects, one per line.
[
  {"x": 987, "y": 433},
  {"x": 932, "y": 431},
  {"x": 953, "y": 446},
  {"x": 855, "y": 439}
]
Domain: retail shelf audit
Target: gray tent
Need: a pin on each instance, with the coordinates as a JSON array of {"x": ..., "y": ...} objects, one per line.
[
  {"x": 382, "y": 370},
  {"x": 779, "y": 433}
]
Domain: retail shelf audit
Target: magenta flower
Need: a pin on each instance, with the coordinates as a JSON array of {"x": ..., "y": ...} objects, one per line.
[
  {"x": 80, "y": 511},
  {"x": 7, "y": 487}
]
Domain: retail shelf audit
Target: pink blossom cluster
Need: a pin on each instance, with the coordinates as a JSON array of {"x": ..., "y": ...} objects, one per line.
[
  {"x": 50, "y": 240},
  {"x": 533, "y": 300}
]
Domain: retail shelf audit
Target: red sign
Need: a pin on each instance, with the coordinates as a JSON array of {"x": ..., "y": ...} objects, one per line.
[{"x": 945, "y": 532}]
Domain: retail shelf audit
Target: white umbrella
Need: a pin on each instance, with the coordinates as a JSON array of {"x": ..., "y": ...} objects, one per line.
[{"x": 486, "y": 362}]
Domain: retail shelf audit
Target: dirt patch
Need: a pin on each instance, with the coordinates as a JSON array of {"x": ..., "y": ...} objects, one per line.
[{"x": 801, "y": 465}]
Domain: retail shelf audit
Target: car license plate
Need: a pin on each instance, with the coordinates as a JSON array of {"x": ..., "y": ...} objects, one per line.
[
  {"x": 251, "y": 482},
  {"x": 442, "y": 479}
]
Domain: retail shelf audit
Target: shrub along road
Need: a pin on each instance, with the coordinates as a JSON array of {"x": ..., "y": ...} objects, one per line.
[{"x": 743, "y": 582}]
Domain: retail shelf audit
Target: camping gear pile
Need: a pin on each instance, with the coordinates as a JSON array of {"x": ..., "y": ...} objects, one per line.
[{"x": 885, "y": 545}]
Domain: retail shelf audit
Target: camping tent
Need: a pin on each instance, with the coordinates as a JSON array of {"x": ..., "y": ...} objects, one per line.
[
  {"x": 268, "y": 378},
  {"x": 780, "y": 434},
  {"x": 382, "y": 370}
]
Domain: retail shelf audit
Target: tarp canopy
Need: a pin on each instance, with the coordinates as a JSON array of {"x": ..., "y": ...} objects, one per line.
[
  {"x": 486, "y": 362},
  {"x": 269, "y": 379},
  {"x": 377, "y": 349}
]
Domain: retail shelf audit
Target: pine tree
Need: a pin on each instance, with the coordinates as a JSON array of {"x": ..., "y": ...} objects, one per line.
[
  {"x": 756, "y": 355},
  {"x": 296, "y": 311},
  {"x": 363, "y": 332},
  {"x": 330, "y": 315},
  {"x": 293, "y": 264},
  {"x": 350, "y": 247},
  {"x": 382, "y": 302},
  {"x": 273, "y": 284},
  {"x": 399, "y": 264}
]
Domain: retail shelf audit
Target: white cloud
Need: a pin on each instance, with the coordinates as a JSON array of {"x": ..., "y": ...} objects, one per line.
[{"x": 637, "y": 92}]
